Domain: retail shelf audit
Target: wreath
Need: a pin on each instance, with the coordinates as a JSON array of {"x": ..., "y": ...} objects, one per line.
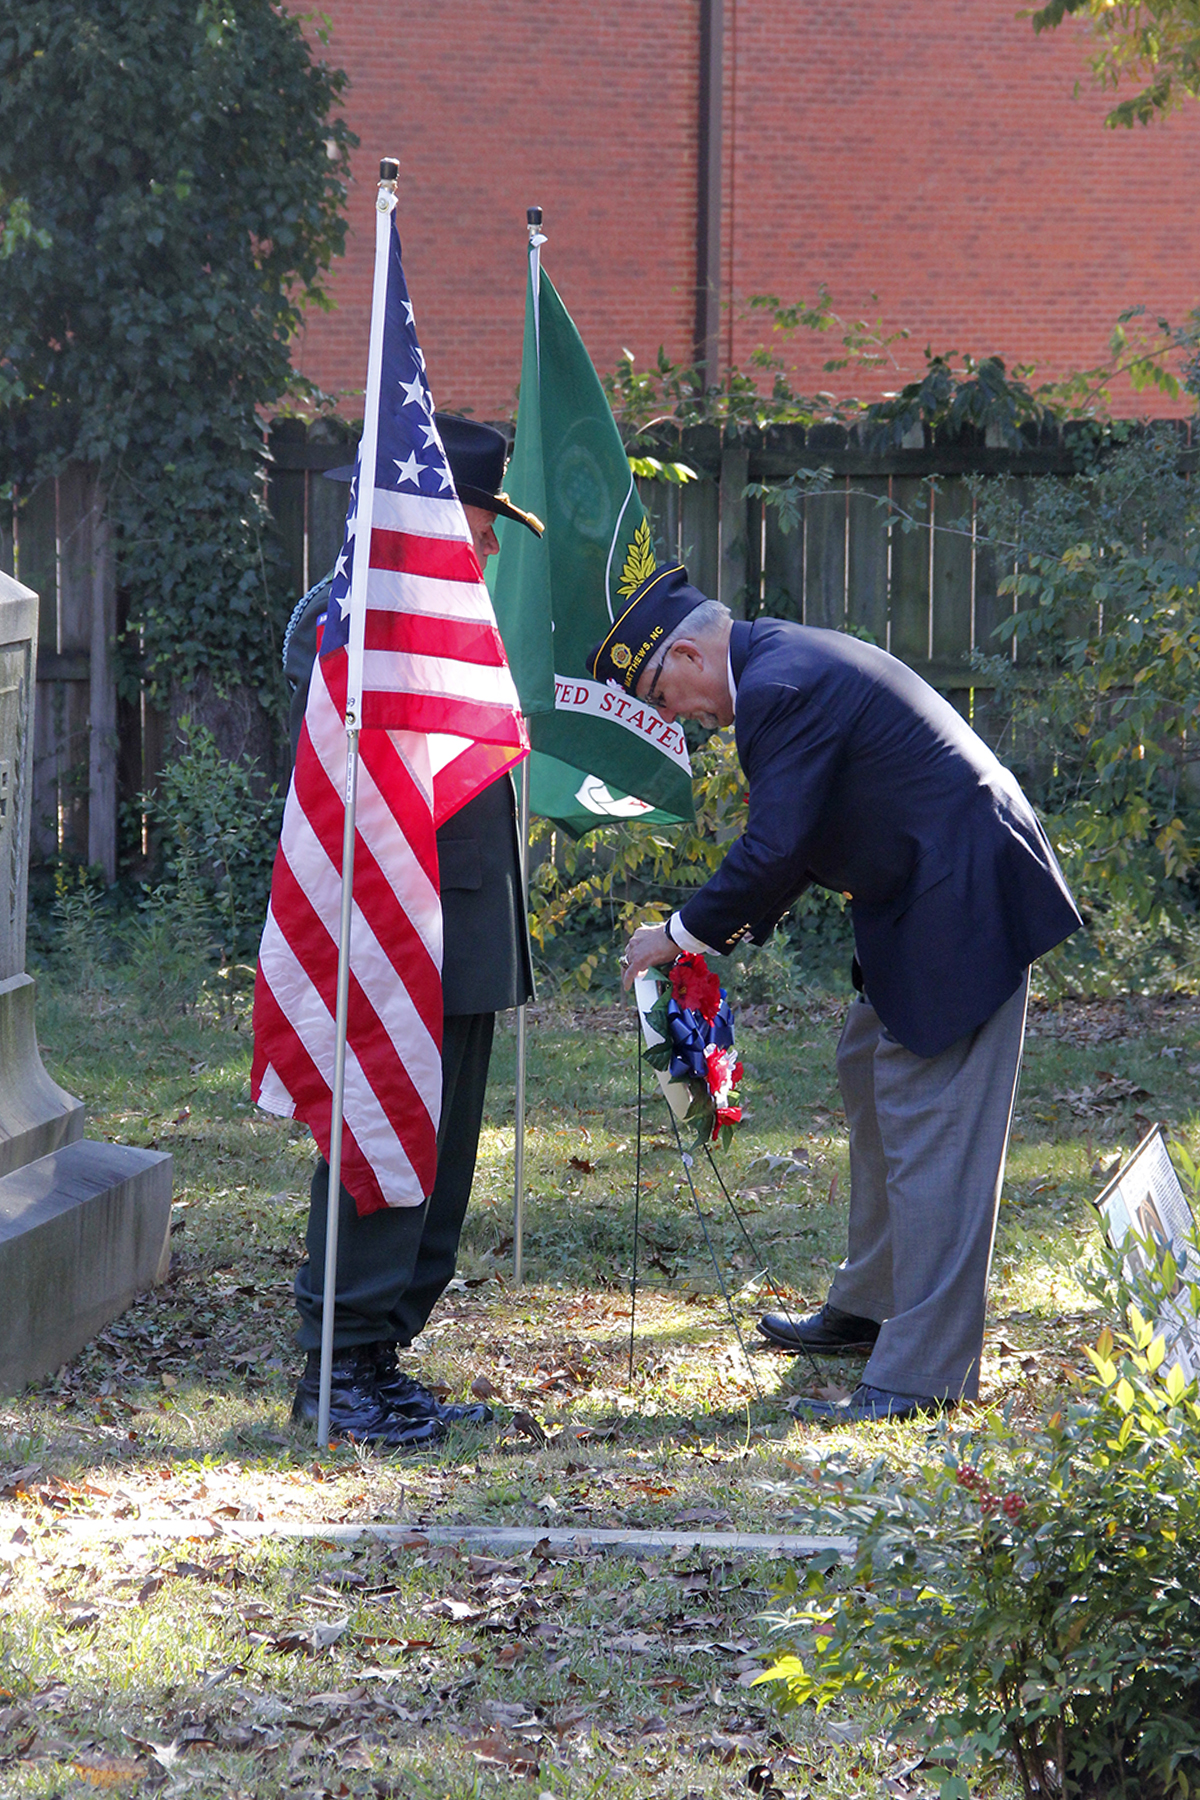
[{"x": 693, "y": 1016}]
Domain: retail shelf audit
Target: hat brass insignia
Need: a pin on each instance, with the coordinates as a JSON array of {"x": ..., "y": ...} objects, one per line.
[
  {"x": 621, "y": 656},
  {"x": 639, "y": 563}
]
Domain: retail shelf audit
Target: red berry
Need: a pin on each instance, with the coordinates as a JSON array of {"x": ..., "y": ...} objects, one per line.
[
  {"x": 1013, "y": 1506},
  {"x": 967, "y": 1476}
]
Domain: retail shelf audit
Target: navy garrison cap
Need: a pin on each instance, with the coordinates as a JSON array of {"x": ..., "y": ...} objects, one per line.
[{"x": 656, "y": 606}]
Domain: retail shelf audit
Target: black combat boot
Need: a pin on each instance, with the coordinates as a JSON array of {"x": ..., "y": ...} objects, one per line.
[
  {"x": 408, "y": 1399},
  {"x": 356, "y": 1408}
]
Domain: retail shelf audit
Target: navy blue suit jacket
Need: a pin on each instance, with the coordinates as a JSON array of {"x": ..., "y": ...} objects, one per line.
[{"x": 864, "y": 780}]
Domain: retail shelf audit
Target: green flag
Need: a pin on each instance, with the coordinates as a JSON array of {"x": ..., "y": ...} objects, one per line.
[{"x": 597, "y": 753}]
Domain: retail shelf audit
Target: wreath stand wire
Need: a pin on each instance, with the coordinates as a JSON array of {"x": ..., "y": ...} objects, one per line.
[{"x": 687, "y": 1161}]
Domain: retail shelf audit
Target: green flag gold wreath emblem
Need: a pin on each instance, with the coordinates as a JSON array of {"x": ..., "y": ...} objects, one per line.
[{"x": 638, "y": 563}]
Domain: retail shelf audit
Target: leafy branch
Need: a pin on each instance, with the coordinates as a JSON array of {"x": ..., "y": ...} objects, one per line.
[{"x": 1156, "y": 42}]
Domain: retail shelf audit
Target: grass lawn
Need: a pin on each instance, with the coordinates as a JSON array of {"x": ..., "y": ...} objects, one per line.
[{"x": 202, "y": 1663}]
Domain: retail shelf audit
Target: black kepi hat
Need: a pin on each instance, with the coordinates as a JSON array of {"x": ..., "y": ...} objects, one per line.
[
  {"x": 476, "y": 454},
  {"x": 656, "y": 607}
]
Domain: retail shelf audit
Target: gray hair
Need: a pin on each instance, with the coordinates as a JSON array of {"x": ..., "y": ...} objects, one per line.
[{"x": 702, "y": 622}]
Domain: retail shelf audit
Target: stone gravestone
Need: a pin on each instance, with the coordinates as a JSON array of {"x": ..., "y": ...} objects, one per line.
[{"x": 84, "y": 1226}]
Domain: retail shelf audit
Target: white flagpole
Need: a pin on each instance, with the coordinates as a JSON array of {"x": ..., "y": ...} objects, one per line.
[
  {"x": 385, "y": 203},
  {"x": 536, "y": 240}
]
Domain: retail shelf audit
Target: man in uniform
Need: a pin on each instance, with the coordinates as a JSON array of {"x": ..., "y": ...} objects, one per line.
[
  {"x": 864, "y": 780},
  {"x": 394, "y": 1264}
]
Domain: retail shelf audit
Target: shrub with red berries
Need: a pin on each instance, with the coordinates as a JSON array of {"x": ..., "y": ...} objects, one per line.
[{"x": 1030, "y": 1604}]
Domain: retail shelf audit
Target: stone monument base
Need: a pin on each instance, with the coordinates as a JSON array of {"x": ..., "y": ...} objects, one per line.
[
  {"x": 36, "y": 1115},
  {"x": 83, "y": 1231}
]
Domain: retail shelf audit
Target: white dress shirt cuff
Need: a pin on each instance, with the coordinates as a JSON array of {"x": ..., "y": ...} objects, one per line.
[{"x": 684, "y": 940}]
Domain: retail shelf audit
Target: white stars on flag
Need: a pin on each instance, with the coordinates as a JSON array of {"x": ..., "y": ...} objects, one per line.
[{"x": 410, "y": 469}]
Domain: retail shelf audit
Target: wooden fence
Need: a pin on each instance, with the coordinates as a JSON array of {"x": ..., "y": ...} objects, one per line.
[
  {"x": 57, "y": 542},
  {"x": 891, "y": 548},
  {"x": 929, "y": 593}
]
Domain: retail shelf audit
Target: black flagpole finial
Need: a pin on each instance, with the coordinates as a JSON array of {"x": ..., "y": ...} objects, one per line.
[{"x": 389, "y": 169}]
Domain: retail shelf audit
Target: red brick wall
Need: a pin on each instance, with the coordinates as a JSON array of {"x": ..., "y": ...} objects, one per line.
[
  {"x": 936, "y": 155},
  {"x": 932, "y": 154},
  {"x": 588, "y": 111}
]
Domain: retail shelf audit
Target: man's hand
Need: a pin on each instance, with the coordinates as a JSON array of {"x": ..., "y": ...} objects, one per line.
[{"x": 648, "y": 945}]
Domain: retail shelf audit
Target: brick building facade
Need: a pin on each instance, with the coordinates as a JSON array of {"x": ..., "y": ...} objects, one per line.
[{"x": 936, "y": 156}]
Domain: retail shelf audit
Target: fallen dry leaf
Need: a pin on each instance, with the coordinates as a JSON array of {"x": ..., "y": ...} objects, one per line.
[
  {"x": 494, "y": 1751},
  {"x": 702, "y": 1515},
  {"x": 109, "y": 1771},
  {"x": 635, "y": 1643},
  {"x": 79, "y": 1616},
  {"x": 458, "y": 1610},
  {"x": 166, "y": 1755}
]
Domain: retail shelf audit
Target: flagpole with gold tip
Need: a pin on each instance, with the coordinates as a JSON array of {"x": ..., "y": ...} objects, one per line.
[{"x": 385, "y": 204}]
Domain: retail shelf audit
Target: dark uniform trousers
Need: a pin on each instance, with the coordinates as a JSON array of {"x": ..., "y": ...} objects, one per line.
[{"x": 393, "y": 1265}]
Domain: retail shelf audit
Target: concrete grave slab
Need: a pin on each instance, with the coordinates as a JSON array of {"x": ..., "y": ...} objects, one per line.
[{"x": 83, "y": 1231}]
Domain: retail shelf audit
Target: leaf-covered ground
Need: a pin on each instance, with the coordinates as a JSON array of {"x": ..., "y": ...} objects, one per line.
[{"x": 149, "y": 1641}]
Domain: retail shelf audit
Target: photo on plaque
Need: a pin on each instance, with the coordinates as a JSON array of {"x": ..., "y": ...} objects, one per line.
[{"x": 1145, "y": 1215}]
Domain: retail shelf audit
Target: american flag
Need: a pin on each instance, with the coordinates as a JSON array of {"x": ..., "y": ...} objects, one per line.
[{"x": 440, "y": 720}]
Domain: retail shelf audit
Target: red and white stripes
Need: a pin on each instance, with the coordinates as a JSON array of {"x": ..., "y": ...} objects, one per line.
[{"x": 440, "y": 721}]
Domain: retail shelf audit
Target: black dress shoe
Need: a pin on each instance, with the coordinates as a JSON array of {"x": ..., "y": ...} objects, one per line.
[
  {"x": 356, "y": 1409},
  {"x": 867, "y": 1403},
  {"x": 412, "y": 1400},
  {"x": 825, "y": 1333}
]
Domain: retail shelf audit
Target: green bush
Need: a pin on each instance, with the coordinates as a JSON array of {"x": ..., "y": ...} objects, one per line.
[
  {"x": 220, "y": 828},
  {"x": 168, "y": 946},
  {"x": 151, "y": 300},
  {"x": 1103, "y": 705},
  {"x": 1028, "y": 1597},
  {"x": 81, "y": 939}
]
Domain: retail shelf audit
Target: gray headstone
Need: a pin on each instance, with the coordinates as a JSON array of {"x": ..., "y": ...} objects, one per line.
[{"x": 84, "y": 1226}]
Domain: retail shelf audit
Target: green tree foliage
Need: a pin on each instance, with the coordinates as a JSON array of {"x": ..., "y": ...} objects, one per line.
[
  {"x": 219, "y": 834},
  {"x": 171, "y": 185},
  {"x": 1156, "y": 42},
  {"x": 1104, "y": 702},
  {"x": 671, "y": 396}
]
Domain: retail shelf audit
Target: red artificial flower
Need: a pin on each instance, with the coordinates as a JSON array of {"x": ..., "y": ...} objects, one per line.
[
  {"x": 694, "y": 987},
  {"x": 725, "y": 1115},
  {"x": 721, "y": 1071}
]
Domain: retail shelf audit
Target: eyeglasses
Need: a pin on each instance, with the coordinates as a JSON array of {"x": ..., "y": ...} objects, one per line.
[{"x": 653, "y": 697}]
